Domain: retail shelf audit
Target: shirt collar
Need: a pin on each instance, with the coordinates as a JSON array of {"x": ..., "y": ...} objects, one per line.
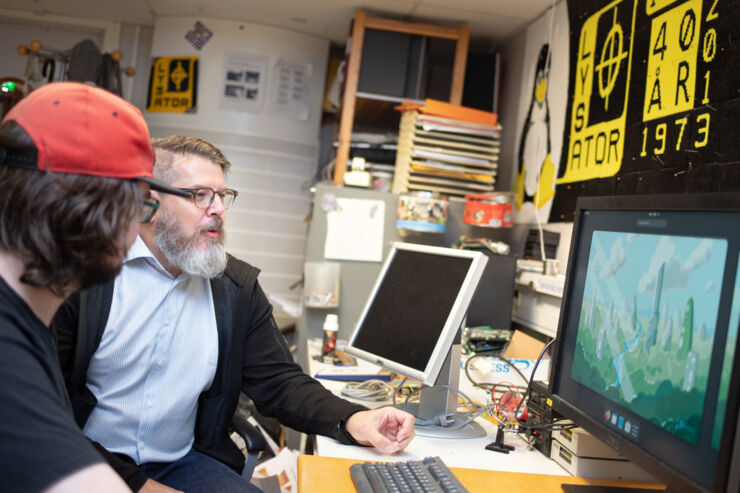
[{"x": 139, "y": 250}]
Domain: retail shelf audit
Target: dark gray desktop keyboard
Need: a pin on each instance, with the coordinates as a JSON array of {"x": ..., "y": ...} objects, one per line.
[{"x": 415, "y": 476}]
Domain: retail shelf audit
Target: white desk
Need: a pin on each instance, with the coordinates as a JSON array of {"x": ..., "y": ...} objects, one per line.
[{"x": 467, "y": 453}]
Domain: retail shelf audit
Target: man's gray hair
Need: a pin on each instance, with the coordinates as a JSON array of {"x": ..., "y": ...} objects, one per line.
[{"x": 168, "y": 149}]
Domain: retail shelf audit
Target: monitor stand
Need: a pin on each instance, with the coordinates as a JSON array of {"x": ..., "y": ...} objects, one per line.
[{"x": 436, "y": 401}]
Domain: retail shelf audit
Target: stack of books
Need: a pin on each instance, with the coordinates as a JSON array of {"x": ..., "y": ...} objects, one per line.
[{"x": 452, "y": 156}]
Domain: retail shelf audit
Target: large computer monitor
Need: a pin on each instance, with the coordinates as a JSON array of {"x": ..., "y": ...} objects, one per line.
[
  {"x": 410, "y": 320},
  {"x": 648, "y": 333}
]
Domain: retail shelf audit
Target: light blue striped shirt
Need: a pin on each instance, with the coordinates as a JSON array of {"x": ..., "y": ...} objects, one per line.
[{"x": 158, "y": 353}]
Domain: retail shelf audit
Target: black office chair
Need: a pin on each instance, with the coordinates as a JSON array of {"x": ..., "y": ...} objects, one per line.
[{"x": 253, "y": 439}]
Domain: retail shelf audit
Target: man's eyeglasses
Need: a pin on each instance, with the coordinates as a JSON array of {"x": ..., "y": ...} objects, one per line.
[
  {"x": 203, "y": 197},
  {"x": 148, "y": 208}
]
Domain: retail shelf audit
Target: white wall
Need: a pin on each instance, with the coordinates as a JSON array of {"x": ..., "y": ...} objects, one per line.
[
  {"x": 242, "y": 37},
  {"x": 273, "y": 158},
  {"x": 135, "y": 42}
]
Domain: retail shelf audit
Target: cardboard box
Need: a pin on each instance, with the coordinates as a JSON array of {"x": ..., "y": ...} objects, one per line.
[{"x": 523, "y": 346}]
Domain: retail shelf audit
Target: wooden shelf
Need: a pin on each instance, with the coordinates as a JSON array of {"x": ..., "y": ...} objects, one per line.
[
  {"x": 374, "y": 110},
  {"x": 383, "y": 97}
]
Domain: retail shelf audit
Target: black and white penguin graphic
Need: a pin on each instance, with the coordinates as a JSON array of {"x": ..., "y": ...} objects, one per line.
[{"x": 534, "y": 180}]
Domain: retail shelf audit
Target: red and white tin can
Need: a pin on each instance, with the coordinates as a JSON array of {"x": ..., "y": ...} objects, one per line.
[{"x": 490, "y": 210}]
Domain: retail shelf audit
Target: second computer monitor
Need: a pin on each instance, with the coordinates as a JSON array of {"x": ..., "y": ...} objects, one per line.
[{"x": 415, "y": 309}]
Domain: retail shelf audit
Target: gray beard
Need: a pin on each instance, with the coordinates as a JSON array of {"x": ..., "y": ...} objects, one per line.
[{"x": 183, "y": 252}]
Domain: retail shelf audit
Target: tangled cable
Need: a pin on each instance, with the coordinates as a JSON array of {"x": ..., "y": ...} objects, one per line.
[{"x": 369, "y": 390}]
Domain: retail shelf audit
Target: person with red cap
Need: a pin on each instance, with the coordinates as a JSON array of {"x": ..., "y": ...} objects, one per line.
[{"x": 75, "y": 173}]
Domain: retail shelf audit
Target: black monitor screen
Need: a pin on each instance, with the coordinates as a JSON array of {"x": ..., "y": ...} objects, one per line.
[
  {"x": 648, "y": 331},
  {"x": 411, "y": 307}
]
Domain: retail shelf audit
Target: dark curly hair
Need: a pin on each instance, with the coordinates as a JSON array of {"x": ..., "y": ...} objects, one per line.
[{"x": 68, "y": 230}]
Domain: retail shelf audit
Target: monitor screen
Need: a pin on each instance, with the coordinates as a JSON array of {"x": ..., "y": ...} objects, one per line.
[
  {"x": 416, "y": 307},
  {"x": 648, "y": 329}
]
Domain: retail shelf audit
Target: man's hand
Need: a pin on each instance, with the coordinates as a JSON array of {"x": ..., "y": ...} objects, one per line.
[
  {"x": 388, "y": 429},
  {"x": 152, "y": 486}
]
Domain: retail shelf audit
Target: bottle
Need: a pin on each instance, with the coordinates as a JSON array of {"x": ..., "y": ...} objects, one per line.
[{"x": 329, "y": 341}]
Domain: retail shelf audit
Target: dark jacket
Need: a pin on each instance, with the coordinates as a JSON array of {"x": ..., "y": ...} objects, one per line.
[{"x": 253, "y": 357}]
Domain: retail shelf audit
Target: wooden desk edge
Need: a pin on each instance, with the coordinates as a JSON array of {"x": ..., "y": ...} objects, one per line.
[{"x": 330, "y": 475}]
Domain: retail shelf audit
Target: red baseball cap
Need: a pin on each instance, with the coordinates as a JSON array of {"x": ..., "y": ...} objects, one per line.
[{"x": 85, "y": 130}]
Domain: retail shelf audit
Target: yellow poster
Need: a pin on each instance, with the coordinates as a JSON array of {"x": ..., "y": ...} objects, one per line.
[
  {"x": 173, "y": 85},
  {"x": 600, "y": 93},
  {"x": 679, "y": 131},
  {"x": 672, "y": 61}
]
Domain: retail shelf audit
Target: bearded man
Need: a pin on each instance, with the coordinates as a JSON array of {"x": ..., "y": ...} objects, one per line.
[{"x": 154, "y": 361}]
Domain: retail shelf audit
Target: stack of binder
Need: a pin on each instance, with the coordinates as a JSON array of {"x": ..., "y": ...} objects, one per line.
[{"x": 446, "y": 155}]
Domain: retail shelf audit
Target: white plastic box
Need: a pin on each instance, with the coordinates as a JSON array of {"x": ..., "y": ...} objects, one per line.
[{"x": 588, "y": 467}]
